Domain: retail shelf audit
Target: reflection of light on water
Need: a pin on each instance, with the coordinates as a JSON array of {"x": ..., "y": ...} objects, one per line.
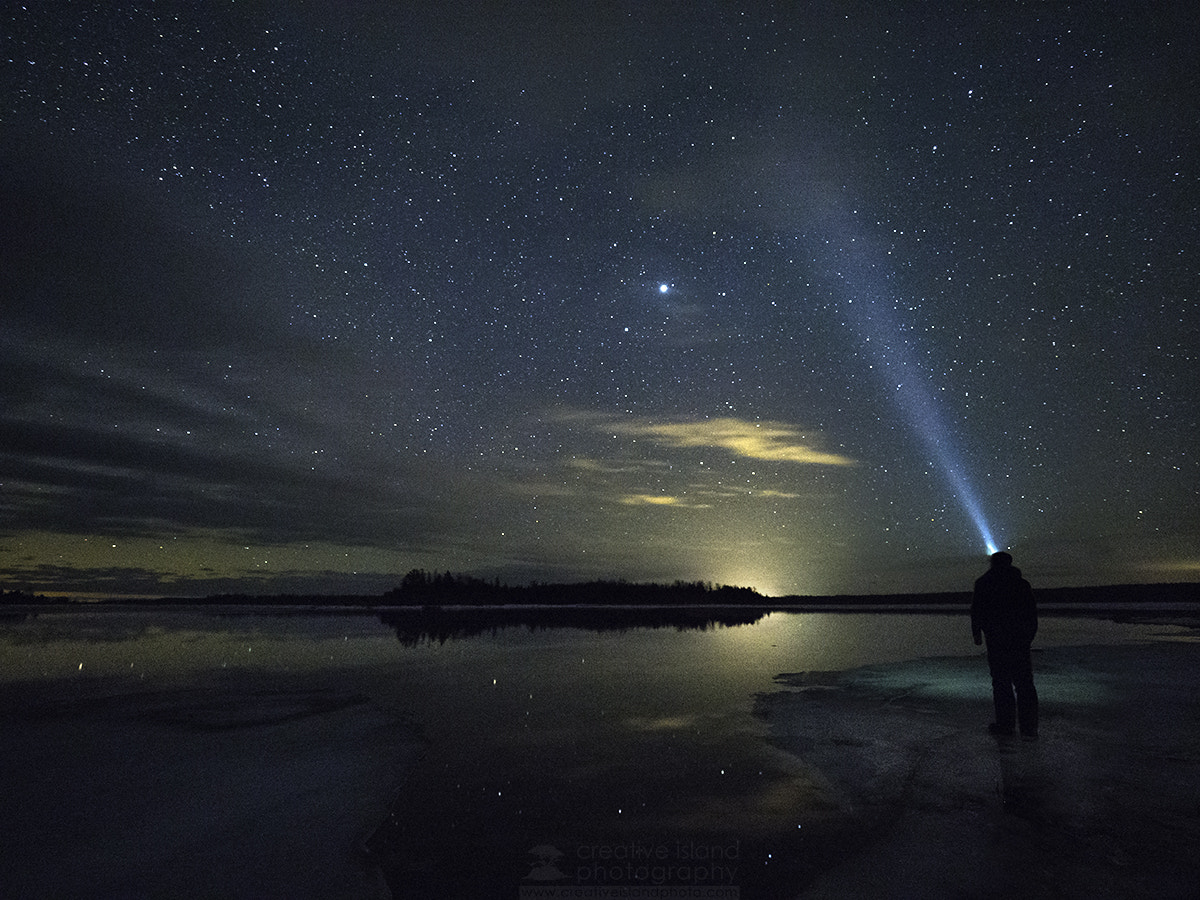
[
  {"x": 754, "y": 654},
  {"x": 172, "y": 645}
]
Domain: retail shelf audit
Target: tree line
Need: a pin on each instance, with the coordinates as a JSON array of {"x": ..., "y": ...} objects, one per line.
[{"x": 421, "y": 588}]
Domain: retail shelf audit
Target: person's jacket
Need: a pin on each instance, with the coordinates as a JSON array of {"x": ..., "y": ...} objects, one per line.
[{"x": 1003, "y": 608}]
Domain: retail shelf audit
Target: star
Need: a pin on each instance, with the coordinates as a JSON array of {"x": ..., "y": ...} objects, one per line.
[{"x": 372, "y": 317}]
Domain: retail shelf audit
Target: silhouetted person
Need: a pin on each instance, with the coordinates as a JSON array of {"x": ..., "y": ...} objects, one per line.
[{"x": 1003, "y": 610}]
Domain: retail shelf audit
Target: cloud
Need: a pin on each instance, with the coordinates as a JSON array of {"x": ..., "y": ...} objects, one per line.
[
  {"x": 773, "y": 441},
  {"x": 660, "y": 500},
  {"x": 137, "y": 581},
  {"x": 595, "y": 466}
]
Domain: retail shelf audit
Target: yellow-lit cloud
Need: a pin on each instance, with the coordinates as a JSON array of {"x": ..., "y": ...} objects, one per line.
[
  {"x": 587, "y": 464},
  {"x": 659, "y": 500},
  {"x": 1188, "y": 567},
  {"x": 775, "y": 441}
]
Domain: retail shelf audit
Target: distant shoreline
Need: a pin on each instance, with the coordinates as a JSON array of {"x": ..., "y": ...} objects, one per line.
[
  {"x": 1143, "y": 599},
  {"x": 1176, "y": 604}
]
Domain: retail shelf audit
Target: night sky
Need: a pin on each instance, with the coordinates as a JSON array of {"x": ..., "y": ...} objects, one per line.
[{"x": 812, "y": 298}]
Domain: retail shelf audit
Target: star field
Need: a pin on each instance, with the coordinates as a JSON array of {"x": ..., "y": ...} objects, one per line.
[{"x": 302, "y": 296}]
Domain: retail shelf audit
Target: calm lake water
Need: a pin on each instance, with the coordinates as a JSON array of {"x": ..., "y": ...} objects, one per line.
[
  {"x": 586, "y": 745},
  {"x": 173, "y": 645}
]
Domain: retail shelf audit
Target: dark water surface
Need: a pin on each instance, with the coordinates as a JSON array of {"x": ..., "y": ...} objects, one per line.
[{"x": 599, "y": 753}]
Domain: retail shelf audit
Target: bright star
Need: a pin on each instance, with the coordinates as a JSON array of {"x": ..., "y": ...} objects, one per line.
[{"x": 663, "y": 288}]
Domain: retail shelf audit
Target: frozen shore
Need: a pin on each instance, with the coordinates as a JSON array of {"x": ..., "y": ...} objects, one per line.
[
  {"x": 233, "y": 788},
  {"x": 267, "y": 783},
  {"x": 917, "y": 800}
]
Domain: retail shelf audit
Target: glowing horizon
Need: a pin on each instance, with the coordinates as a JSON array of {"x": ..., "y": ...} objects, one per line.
[{"x": 590, "y": 309}]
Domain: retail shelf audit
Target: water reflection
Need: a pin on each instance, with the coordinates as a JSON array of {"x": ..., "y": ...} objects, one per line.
[
  {"x": 576, "y": 728},
  {"x": 441, "y": 624}
]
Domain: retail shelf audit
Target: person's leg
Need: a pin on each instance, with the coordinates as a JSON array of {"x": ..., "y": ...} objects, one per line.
[
  {"x": 1002, "y": 690},
  {"x": 1027, "y": 698}
]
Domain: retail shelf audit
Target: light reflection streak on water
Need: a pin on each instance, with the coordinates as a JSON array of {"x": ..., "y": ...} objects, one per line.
[{"x": 175, "y": 646}]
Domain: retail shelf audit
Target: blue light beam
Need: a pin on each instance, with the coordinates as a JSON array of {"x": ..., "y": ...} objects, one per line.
[{"x": 872, "y": 313}]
